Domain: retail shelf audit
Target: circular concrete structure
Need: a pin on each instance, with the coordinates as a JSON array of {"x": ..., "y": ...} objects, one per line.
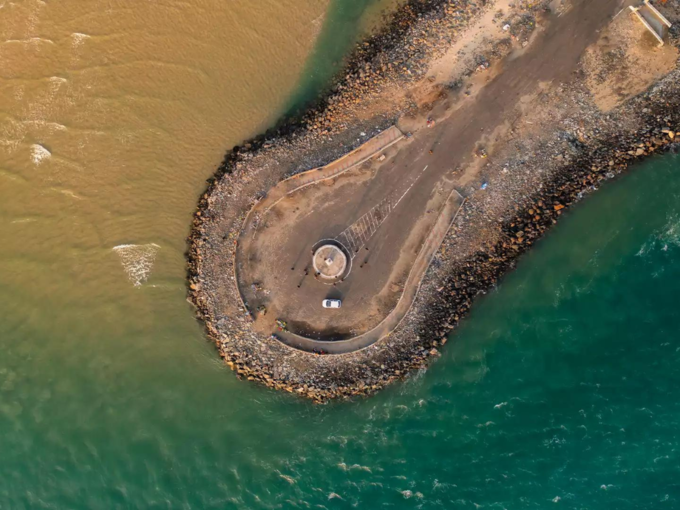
[{"x": 329, "y": 262}]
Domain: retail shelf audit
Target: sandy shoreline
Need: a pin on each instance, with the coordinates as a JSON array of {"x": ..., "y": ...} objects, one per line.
[{"x": 557, "y": 143}]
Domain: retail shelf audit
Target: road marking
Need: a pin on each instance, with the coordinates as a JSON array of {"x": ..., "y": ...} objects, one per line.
[
  {"x": 357, "y": 236},
  {"x": 354, "y": 244},
  {"x": 364, "y": 236},
  {"x": 352, "y": 241},
  {"x": 375, "y": 222},
  {"x": 345, "y": 247},
  {"x": 353, "y": 236},
  {"x": 366, "y": 226},
  {"x": 409, "y": 188},
  {"x": 358, "y": 233},
  {"x": 356, "y": 228},
  {"x": 362, "y": 230},
  {"x": 369, "y": 219}
]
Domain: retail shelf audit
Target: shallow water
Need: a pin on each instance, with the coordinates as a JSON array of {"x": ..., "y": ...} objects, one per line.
[{"x": 561, "y": 385}]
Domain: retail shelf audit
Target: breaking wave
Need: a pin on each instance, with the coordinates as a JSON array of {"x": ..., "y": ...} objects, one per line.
[
  {"x": 668, "y": 235},
  {"x": 39, "y": 153},
  {"x": 137, "y": 260}
]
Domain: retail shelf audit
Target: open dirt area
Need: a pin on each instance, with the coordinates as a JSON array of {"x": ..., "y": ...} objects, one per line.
[
  {"x": 520, "y": 110},
  {"x": 274, "y": 258},
  {"x": 625, "y": 61},
  {"x": 374, "y": 201}
]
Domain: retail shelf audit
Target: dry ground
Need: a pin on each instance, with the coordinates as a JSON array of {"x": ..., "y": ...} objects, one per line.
[{"x": 274, "y": 255}]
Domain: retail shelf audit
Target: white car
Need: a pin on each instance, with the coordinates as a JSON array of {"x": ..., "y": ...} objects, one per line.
[{"x": 331, "y": 303}]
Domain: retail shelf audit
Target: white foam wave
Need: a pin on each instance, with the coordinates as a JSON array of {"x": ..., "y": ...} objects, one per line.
[
  {"x": 67, "y": 192},
  {"x": 665, "y": 237},
  {"x": 19, "y": 92},
  {"x": 670, "y": 234},
  {"x": 78, "y": 38},
  {"x": 39, "y": 153},
  {"x": 137, "y": 260},
  {"x": 57, "y": 79},
  {"x": 360, "y": 468},
  {"x": 30, "y": 40},
  {"x": 409, "y": 494},
  {"x": 37, "y": 114},
  {"x": 287, "y": 478},
  {"x": 52, "y": 126}
]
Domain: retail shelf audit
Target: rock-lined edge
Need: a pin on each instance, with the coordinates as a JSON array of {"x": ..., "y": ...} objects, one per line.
[
  {"x": 571, "y": 184},
  {"x": 457, "y": 289}
]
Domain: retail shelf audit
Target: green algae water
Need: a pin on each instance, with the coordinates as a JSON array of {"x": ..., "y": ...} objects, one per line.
[{"x": 558, "y": 391}]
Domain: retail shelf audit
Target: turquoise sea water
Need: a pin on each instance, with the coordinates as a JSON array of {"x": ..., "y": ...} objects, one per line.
[
  {"x": 344, "y": 24},
  {"x": 560, "y": 387},
  {"x": 558, "y": 391}
]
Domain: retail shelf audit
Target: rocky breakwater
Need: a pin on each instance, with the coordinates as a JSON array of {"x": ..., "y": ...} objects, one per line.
[
  {"x": 566, "y": 151},
  {"x": 482, "y": 271},
  {"x": 360, "y": 102},
  {"x": 573, "y": 150}
]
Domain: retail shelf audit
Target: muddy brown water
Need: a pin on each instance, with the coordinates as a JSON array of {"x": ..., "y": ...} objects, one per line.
[{"x": 112, "y": 115}]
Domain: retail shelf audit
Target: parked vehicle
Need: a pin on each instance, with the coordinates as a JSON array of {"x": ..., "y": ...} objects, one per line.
[{"x": 331, "y": 303}]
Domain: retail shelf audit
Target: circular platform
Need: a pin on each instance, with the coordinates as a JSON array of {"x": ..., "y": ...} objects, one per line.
[{"x": 329, "y": 261}]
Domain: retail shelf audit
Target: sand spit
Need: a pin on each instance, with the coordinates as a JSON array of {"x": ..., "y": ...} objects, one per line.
[{"x": 557, "y": 142}]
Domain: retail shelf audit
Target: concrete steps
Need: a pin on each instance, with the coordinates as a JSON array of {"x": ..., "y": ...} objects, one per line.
[{"x": 652, "y": 20}]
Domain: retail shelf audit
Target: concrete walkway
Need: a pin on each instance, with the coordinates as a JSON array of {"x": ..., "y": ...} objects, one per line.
[
  {"x": 652, "y": 20},
  {"x": 363, "y": 153}
]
